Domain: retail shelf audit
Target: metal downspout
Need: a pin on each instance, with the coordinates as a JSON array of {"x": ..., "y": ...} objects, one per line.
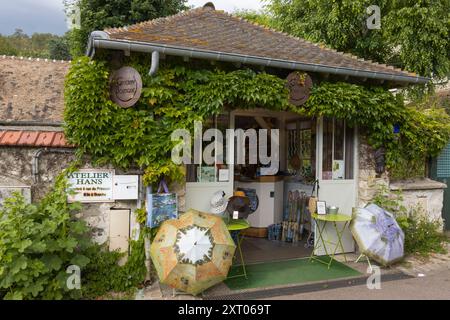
[
  {"x": 155, "y": 63},
  {"x": 36, "y": 156}
]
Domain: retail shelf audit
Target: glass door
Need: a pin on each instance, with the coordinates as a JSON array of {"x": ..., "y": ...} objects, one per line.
[{"x": 337, "y": 164}]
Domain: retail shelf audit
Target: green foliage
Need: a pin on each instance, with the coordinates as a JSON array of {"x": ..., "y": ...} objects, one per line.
[
  {"x": 106, "y": 275},
  {"x": 59, "y": 49},
  {"x": 101, "y": 14},
  {"x": 422, "y": 236},
  {"x": 178, "y": 96},
  {"x": 421, "y": 29},
  {"x": 256, "y": 16},
  {"x": 173, "y": 99},
  {"x": 39, "y": 45},
  {"x": 37, "y": 244},
  {"x": 97, "y": 277},
  {"x": 423, "y": 133},
  {"x": 6, "y": 48},
  {"x": 391, "y": 201},
  {"x": 168, "y": 170},
  {"x": 339, "y": 24},
  {"x": 414, "y": 34},
  {"x": 141, "y": 216},
  {"x": 39, "y": 241}
]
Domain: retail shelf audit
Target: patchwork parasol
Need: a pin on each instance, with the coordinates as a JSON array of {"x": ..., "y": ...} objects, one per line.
[
  {"x": 193, "y": 253},
  {"x": 378, "y": 235}
]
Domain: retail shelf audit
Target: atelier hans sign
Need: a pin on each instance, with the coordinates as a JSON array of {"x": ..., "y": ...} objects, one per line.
[
  {"x": 91, "y": 186},
  {"x": 125, "y": 87}
]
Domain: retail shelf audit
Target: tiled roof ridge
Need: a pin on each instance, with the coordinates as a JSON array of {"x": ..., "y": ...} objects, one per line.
[
  {"x": 155, "y": 21},
  {"x": 22, "y": 58}
]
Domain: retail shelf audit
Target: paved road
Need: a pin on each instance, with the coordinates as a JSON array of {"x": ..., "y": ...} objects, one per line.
[{"x": 435, "y": 286}]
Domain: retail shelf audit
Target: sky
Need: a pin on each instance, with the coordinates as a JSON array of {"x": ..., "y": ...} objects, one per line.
[{"x": 47, "y": 16}]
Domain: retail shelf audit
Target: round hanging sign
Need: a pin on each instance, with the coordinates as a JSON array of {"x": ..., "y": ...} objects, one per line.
[
  {"x": 299, "y": 85},
  {"x": 125, "y": 87}
]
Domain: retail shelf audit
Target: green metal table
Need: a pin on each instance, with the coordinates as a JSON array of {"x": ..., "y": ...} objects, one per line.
[
  {"x": 321, "y": 241},
  {"x": 238, "y": 226}
]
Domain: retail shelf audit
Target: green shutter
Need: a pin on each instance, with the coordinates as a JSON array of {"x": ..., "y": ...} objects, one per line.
[{"x": 443, "y": 163}]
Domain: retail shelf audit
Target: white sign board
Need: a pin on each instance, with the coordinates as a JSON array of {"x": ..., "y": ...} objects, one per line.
[
  {"x": 91, "y": 185},
  {"x": 126, "y": 187}
]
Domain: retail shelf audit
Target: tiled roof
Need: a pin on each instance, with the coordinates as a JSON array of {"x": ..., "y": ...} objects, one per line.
[
  {"x": 217, "y": 31},
  {"x": 50, "y": 139},
  {"x": 32, "y": 90}
]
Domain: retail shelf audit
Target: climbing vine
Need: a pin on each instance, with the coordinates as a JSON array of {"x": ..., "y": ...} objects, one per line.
[
  {"x": 177, "y": 96},
  {"x": 423, "y": 132},
  {"x": 172, "y": 100}
]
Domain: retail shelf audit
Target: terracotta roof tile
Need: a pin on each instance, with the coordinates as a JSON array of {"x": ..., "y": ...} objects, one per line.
[
  {"x": 48, "y": 139},
  {"x": 11, "y": 138},
  {"x": 216, "y": 31},
  {"x": 45, "y": 139},
  {"x": 60, "y": 140},
  {"x": 28, "y": 138}
]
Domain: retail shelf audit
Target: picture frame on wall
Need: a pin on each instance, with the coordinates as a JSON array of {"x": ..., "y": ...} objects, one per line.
[
  {"x": 321, "y": 207},
  {"x": 224, "y": 175},
  {"x": 206, "y": 174}
]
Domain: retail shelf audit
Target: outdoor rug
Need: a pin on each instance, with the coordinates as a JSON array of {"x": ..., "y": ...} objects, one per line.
[{"x": 261, "y": 275}]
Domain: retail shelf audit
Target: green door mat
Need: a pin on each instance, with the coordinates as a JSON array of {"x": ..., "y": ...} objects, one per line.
[{"x": 261, "y": 275}]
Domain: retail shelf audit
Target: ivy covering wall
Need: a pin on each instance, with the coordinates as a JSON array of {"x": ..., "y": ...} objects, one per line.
[{"x": 179, "y": 95}]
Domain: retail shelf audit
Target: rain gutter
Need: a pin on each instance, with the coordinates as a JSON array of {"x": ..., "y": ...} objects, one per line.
[{"x": 101, "y": 40}]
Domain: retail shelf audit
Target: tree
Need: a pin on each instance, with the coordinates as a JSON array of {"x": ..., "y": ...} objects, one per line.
[
  {"x": 59, "y": 49},
  {"x": 257, "y": 16},
  {"x": 101, "y": 14},
  {"x": 6, "y": 48},
  {"x": 414, "y": 34},
  {"x": 20, "y": 44}
]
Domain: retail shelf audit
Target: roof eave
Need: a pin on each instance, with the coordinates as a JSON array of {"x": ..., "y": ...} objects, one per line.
[{"x": 102, "y": 41}]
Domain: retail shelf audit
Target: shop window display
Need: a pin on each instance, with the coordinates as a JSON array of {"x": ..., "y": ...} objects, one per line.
[{"x": 338, "y": 153}]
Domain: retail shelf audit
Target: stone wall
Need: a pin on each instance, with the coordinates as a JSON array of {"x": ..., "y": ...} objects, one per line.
[
  {"x": 16, "y": 170},
  {"x": 369, "y": 182},
  {"x": 424, "y": 194}
]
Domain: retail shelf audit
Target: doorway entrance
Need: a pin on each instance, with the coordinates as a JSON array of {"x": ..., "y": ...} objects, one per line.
[{"x": 312, "y": 152}]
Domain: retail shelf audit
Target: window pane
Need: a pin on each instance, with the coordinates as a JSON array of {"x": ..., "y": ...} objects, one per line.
[
  {"x": 349, "y": 152},
  {"x": 205, "y": 172},
  {"x": 339, "y": 139},
  {"x": 327, "y": 163},
  {"x": 191, "y": 173},
  {"x": 301, "y": 148},
  {"x": 338, "y": 153},
  {"x": 313, "y": 149},
  {"x": 223, "y": 169}
]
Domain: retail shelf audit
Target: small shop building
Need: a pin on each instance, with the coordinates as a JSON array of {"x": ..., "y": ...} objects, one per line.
[{"x": 317, "y": 156}]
